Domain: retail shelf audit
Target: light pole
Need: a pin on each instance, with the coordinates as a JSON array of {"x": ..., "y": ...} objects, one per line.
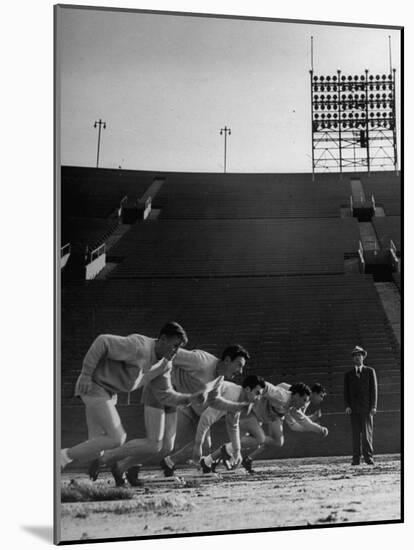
[
  {"x": 100, "y": 124},
  {"x": 226, "y": 131}
]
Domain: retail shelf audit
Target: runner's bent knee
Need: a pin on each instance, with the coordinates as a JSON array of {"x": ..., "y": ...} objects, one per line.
[
  {"x": 277, "y": 442},
  {"x": 154, "y": 446},
  {"x": 117, "y": 437},
  {"x": 260, "y": 438}
]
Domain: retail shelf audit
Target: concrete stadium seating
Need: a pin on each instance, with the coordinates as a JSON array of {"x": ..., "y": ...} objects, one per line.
[
  {"x": 209, "y": 248},
  {"x": 251, "y": 258},
  {"x": 397, "y": 280},
  {"x": 103, "y": 181},
  {"x": 386, "y": 188},
  {"x": 90, "y": 232},
  {"x": 250, "y": 196},
  {"x": 91, "y": 192},
  {"x": 388, "y": 228},
  {"x": 296, "y": 328}
]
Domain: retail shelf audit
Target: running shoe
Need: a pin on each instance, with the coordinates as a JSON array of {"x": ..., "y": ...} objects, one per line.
[
  {"x": 132, "y": 476},
  {"x": 226, "y": 458},
  {"x": 118, "y": 475},
  {"x": 94, "y": 468},
  {"x": 247, "y": 464},
  {"x": 168, "y": 470}
]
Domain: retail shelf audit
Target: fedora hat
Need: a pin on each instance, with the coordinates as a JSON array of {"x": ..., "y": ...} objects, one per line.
[{"x": 358, "y": 349}]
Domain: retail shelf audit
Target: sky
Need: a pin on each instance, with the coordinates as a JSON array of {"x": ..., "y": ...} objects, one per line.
[{"x": 166, "y": 84}]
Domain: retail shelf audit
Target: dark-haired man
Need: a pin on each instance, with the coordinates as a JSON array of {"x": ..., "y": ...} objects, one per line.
[
  {"x": 361, "y": 394},
  {"x": 191, "y": 371},
  {"x": 263, "y": 427},
  {"x": 247, "y": 394},
  {"x": 318, "y": 394},
  {"x": 116, "y": 364}
]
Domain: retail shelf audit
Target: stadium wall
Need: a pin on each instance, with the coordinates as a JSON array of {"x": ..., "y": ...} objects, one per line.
[{"x": 387, "y": 436}]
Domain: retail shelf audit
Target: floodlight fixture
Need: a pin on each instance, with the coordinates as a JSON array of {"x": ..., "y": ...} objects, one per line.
[{"x": 342, "y": 103}]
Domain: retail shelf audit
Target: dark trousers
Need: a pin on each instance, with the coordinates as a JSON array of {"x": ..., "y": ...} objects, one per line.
[{"x": 362, "y": 433}]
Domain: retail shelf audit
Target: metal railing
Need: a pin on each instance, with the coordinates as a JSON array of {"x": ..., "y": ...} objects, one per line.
[
  {"x": 361, "y": 257},
  {"x": 133, "y": 202},
  {"x": 94, "y": 254},
  {"x": 395, "y": 260},
  {"x": 142, "y": 206},
  {"x": 147, "y": 208},
  {"x": 65, "y": 250},
  {"x": 122, "y": 203}
]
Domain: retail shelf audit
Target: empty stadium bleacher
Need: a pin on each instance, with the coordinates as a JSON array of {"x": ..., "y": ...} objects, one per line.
[
  {"x": 90, "y": 232},
  {"x": 89, "y": 192},
  {"x": 386, "y": 188},
  {"x": 209, "y": 248},
  {"x": 97, "y": 192},
  {"x": 249, "y": 196},
  {"x": 397, "y": 280},
  {"x": 251, "y": 258},
  {"x": 104, "y": 181},
  {"x": 387, "y": 229},
  {"x": 295, "y": 327}
]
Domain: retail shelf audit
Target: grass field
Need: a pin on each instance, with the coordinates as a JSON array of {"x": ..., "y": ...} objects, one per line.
[{"x": 282, "y": 493}]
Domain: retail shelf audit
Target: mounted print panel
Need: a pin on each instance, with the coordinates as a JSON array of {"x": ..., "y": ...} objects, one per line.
[{"x": 229, "y": 263}]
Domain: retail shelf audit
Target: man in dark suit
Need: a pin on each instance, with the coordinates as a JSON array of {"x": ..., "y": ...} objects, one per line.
[{"x": 361, "y": 392}]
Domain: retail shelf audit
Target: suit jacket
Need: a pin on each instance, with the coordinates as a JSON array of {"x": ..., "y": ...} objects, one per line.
[{"x": 361, "y": 393}]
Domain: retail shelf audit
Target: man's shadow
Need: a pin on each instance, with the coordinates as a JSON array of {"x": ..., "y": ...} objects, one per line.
[{"x": 42, "y": 532}]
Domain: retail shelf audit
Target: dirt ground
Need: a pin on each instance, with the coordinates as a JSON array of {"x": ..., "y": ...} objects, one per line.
[{"x": 282, "y": 493}]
